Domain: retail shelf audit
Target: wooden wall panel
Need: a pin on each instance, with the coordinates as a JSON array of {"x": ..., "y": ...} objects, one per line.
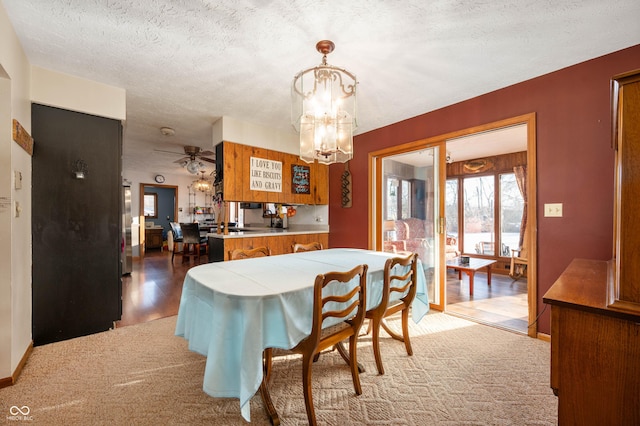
[
  {"x": 237, "y": 177},
  {"x": 320, "y": 191},
  {"x": 233, "y": 171}
]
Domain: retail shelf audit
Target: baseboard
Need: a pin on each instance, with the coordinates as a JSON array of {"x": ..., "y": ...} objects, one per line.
[
  {"x": 9, "y": 381},
  {"x": 6, "y": 382},
  {"x": 544, "y": 336}
]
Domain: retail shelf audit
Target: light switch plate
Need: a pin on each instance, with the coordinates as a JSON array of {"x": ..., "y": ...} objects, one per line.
[
  {"x": 17, "y": 179},
  {"x": 553, "y": 210}
]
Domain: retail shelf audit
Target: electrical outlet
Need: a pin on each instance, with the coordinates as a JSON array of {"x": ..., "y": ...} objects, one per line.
[{"x": 553, "y": 210}]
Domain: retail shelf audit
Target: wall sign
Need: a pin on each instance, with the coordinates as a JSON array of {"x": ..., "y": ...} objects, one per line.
[
  {"x": 300, "y": 179},
  {"x": 266, "y": 175},
  {"x": 22, "y": 137}
]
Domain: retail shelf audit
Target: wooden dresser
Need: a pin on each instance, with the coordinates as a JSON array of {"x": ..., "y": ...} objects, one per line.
[
  {"x": 595, "y": 350},
  {"x": 595, "y": 305},
  {"x": 153, "y": 238}
]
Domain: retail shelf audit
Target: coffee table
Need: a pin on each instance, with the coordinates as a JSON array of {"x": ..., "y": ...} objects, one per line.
[{"x": 471, "y": 268}]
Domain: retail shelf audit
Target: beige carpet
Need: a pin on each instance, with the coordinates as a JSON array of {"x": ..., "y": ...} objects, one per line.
[{"x": 461, "y": 373}]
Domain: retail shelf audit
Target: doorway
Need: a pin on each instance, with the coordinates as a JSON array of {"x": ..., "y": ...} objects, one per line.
[
  {"x": 158, "y": 207},
  {"x": 443, "y": 146},
  {"x": 486, "y": 221}
]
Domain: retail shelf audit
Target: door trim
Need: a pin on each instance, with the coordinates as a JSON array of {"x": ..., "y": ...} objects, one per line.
[{"x": 141, "y": 220}]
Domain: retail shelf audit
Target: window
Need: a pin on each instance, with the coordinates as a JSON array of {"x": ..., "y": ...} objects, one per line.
[
  {"x": 451, "y": 207},
  {"x": 405, "y": 198},
  {"x": 398, "y": 199},
  {"x": 478, "y": 213},
  {"x": 151, "y": 205},
  {"x": 490, "y": 227},
  {"x": 511, "y": 209}
]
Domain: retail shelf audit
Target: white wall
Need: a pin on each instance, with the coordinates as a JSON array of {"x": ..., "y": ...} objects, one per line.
[
  {"x": 232, "y": 130},
  {"x": 18, "y": 84},
  {"x": 15, "y": 232},
  {"x": 76, "y": 94}
]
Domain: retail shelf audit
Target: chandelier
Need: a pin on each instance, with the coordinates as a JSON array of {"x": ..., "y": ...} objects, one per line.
[
  {"x": 324, "y": 110},
  {"x": 203, "y": 184}
]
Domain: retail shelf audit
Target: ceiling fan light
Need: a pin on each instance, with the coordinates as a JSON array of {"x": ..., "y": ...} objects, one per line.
[{"x": 193, "y": 167}]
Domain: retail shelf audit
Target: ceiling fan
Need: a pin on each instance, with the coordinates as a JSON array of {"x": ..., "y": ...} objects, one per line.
[{"x": 193, "y": 156}]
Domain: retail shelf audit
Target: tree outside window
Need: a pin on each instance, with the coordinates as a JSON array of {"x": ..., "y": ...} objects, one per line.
[{"x": 479, "y": 202}]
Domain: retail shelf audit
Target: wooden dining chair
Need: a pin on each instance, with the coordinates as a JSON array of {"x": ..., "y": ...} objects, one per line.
[
  {"x": 300, "y": 247},
  {"x": 401, "y": 281},
  {"x": 331, "y": 299},
  {"x": 519, "y": 263},
  {"x": 249, "y": 253},
  {"x": 177, "y": 238}
]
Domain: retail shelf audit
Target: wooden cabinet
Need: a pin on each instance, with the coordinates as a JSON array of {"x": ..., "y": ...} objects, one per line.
[
  {"x": 595, "y": 350},
  {"x": 153, "y": 238},
  {"x": 595, "y": 305},
  {"x": 236, "y": 171},
  {"x": 279, "y": 244},
  {"x": 624, "y": 290}
]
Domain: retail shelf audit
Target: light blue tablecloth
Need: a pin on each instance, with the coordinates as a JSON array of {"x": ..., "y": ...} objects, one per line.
[{"x": 231, "y": 311}]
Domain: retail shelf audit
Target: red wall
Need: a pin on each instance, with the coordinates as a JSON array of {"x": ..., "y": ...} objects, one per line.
[{"x": 575, "y": 161}]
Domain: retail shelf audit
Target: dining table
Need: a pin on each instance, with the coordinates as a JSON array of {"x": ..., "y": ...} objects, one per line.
[{"x": 232, "y": 311}]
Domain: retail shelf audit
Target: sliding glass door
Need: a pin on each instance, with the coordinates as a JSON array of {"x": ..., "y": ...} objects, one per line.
[{"x": 409, "y": 210}]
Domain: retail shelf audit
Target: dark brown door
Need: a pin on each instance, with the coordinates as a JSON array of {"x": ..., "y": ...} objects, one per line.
[{"x": 76, "y": 224}]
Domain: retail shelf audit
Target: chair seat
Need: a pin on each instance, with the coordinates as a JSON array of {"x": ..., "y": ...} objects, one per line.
[{"x": 334, "y": 329}]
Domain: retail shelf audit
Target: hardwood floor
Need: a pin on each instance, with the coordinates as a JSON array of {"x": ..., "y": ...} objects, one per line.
[
  {"x": 503, "y": 304},
  {"x": 153, "y": 289}
]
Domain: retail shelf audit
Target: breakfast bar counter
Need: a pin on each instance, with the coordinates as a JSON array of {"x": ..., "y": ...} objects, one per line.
[
  {"x": 245, "y": 232},
  {"x": 278, "y": 240}
]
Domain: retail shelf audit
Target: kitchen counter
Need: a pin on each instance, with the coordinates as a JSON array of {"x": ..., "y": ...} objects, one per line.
[
  {"x": 269, "y": 232},
  {"x": 278, "y": 240}
]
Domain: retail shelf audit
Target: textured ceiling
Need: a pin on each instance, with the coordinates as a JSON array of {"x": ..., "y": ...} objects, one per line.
[{"x": 186, "y": 63}]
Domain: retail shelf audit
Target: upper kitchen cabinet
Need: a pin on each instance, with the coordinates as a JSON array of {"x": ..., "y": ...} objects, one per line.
[
  {"x": 254, "y": 174},
  {"x": 320, "y": 186}
]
